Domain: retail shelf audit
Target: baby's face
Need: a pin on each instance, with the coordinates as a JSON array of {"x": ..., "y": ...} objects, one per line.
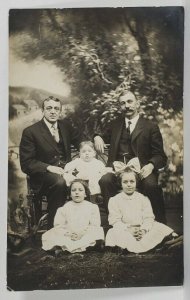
[
  {"x": 128, "y": 183},
  {"x": 87, "y": 153},
  {"x": 77, "y": 192}
]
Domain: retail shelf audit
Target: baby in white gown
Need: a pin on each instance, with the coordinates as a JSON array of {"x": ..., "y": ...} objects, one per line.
[
  {"x": 86, "y": 167},
  {"x": 132, "y": 218},
  {"x": 76, "y": 224}
]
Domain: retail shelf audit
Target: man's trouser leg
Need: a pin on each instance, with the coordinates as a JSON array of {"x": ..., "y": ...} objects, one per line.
[
  {"x": 150, "y": 188},
  {"x": 109, "y": 187},
  {"x": 54, "y": 187}
]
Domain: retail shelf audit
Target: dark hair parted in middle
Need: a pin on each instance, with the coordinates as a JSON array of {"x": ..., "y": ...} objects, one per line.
[{"x": 85, "y": 185}]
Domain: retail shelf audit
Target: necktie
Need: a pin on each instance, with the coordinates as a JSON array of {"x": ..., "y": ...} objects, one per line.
[
  {"x": 128, "y": 127},
  {"x": 55, "y": 133}
]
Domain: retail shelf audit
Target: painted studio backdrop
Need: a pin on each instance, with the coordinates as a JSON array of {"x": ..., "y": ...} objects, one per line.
[{"x": 85, "y": 57}]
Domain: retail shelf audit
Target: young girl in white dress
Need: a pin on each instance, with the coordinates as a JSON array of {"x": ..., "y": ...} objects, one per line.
[
  {"x": 76, "y": 224},
  {"x": 86, "y": 167},
  {"x": 132, "y": 218}
]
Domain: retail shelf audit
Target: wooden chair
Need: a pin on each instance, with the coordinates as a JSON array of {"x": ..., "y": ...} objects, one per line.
[{"x": 38, "y": 205}]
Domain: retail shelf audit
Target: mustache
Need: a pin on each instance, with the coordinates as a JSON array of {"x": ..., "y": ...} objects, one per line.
[{"x": 128, "y": 110}]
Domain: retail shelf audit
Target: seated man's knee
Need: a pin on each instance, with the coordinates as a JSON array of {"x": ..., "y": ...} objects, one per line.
[
  {"x": 107, "y": 179},
  {"x": 150, "y": 183},
  {"x": 60, "y": 182},
  {"x": 56, "y": 180}
]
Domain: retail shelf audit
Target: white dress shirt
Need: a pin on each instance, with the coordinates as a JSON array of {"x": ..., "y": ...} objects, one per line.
[
  {"x": 133, "y": 122},
  {"x": 49, "y": 125}
]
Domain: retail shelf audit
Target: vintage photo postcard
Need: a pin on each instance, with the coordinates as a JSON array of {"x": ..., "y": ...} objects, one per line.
[{"x": 95, "y": 154}]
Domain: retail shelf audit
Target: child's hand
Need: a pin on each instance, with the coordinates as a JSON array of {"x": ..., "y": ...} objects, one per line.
[
  {"x": 76, "y": 236},
  {"x": 139, "y": 234},
  {"x": 68, "y": 178},
  {"x": 133, "y": 230},
  {"x": 136, "y": 232}
]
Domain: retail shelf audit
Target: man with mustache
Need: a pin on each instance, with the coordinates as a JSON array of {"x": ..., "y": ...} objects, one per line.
[
  {"x": 133, "y": 136},
  {"x": 45, "y": 148}
]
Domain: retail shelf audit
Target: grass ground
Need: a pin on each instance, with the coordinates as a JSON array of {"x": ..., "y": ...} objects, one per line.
[
  {"x": 33, "y": 269},
  {"x": 36, "y": 270}
]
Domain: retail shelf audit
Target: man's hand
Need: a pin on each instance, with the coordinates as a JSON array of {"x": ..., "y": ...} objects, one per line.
[
  {"x": 146, "y": 170},
  {"x": 56, "y": 170},
  {"x": 99, "y": 144}
]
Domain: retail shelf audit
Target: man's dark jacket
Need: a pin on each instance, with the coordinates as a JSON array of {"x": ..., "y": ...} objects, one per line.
[
  {"x": 38, "y": 148},
  {"x": 146, "y": 142}
]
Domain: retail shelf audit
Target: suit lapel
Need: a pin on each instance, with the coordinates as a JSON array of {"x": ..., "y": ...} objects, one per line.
[
  {"x": 63, "y": 134},
  {"x": 118, "y": 129},
  {"x": 47, "y": 135},
  {"x": 138, "y": 129}
]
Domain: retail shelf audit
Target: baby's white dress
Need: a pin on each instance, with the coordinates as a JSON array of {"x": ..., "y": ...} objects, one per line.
[
  {"x": 91, "y": 171},
  {"x": 133, "y": 210},
  {"x": 81, "y": 218}
]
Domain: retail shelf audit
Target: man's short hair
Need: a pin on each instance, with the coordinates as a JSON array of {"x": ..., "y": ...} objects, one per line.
[
  {"x": 124, "y": 92},
  {"x": 51, "y": 98}
]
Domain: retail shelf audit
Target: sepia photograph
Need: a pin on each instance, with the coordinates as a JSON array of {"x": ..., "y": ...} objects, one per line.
[{"x": 95, "y": 148}]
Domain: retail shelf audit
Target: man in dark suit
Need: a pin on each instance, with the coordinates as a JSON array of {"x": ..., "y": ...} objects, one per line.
[
  {"x": 133, "y": 136},
  {"x": 44, "y": 150}
]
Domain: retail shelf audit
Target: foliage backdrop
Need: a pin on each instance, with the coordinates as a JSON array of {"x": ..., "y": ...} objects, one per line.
[{"x": 102, "y": 51}]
